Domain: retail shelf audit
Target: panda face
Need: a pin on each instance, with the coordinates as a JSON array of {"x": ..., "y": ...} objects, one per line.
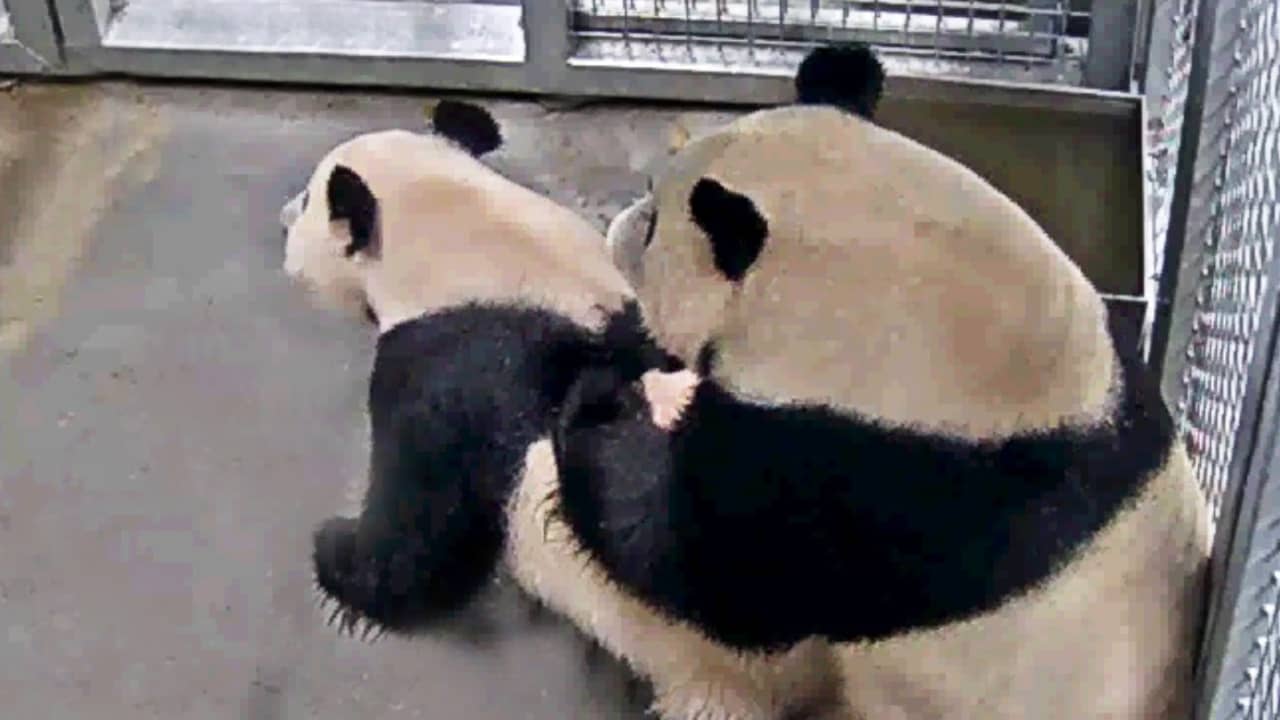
[
  {"x": 808, "y": 254},
  {"x": 334, "y": 227},
  {"x": 320, "y": 250}
]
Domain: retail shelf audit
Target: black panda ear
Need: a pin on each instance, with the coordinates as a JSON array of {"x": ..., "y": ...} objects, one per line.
[
  {"x": 471, "y": 126},
  {"x": 350, "y": 199},
  {"x": 847, "y": 76},
  {"x": 733, "y": 225}
]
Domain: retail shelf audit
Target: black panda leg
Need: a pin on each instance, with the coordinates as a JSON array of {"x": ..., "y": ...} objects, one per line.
[
  {"x": 616, "y": 479},
  {"x": 422, "y": 546}
]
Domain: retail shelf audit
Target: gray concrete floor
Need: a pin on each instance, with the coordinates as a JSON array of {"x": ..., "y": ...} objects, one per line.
[{"x": 175, "y": 417}]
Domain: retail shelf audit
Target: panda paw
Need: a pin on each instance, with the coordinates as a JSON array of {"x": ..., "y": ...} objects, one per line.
[
  {"x": 600, "y": 396},
  {"x": 334, "y": 560},
  {"x": 668, "y": 394}
]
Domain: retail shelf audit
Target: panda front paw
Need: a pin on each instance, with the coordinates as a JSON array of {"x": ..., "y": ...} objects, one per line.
[
  {"x": 668, "y": 395},
  {"x": 600, "y": 396},
  {"x": 333, "y": 556}
]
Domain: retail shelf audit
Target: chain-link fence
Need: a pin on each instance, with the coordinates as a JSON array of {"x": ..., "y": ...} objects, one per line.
[
  {"x": 1214, "y": 93},
  {"x": 1060, "y": 41},
  {"x": 1048, "y": 33}
]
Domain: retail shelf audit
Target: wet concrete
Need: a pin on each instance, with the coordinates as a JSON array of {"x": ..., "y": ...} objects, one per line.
[{"x": 175, "y": 417}]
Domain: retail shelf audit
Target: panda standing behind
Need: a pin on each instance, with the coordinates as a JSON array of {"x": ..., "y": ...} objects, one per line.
[{"x": 913, "y": 436}]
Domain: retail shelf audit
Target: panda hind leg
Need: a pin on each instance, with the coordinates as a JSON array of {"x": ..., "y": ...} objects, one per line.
[{"x": 692, "y": 677}]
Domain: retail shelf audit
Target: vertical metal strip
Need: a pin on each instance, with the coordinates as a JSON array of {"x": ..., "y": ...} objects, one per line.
[
  {"x": 36, "y": 29},
  {"x": 1182, "y": 248},
  {"x": 83, "y": 22},
  {"x": 1112, "y": 27}
]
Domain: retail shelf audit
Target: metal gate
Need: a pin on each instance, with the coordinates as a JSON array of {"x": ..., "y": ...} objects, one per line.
[
  {"x": 1206, "y": 73},
  {"x": 720, "y": 50},
  {"x": 1218, "y": 325}
]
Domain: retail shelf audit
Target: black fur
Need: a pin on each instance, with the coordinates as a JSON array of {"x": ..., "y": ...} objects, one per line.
[
  {"x": 350, "y": 199},
  {"x": 455, "y": 398},
  {"x": 847, "y": 76},
  {"x": 734, "y": 227},
  {"x": 471, "y": 126},
  {"x": 766, "y": 525}
]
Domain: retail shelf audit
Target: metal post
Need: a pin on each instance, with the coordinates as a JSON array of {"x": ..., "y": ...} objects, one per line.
[
  {"x": 35, "y": 33},
  {"x": 83, "y": 22},
  {"x": 1180, "y": 268},
  {"x": 1112, "y": 25},
  {"x": 547, "y": 43}
]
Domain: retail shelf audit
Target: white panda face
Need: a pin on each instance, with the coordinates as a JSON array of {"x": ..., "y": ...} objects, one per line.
[
  {"x": 334, "y": 227},
  {"x": 629, "y": 234},
  {"x": 315, "y": 247}
]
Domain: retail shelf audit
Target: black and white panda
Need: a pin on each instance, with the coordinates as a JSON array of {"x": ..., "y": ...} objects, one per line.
[
  {"x": 911, "y": 435},
  {"x": 490, "y": 300}
]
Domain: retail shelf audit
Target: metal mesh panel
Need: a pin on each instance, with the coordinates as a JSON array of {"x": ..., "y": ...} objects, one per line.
[
  {"x": 1170, "y": 57},
  {"x": 1244, "y": 214},
  {"x": 1030, "y": 32},
  {"x": 1233, "y": 222}
]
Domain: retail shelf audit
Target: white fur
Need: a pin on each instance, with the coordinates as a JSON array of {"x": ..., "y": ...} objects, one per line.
[
  {"x": 1110, "y": 636},
  {"x": 453, "y": 230},
  {"x": 1095, "y": 643}
]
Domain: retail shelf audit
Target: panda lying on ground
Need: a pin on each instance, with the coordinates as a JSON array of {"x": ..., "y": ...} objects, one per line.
[
  {"x": 489, "y": 299},
  {"x": 912, "y": 438}
]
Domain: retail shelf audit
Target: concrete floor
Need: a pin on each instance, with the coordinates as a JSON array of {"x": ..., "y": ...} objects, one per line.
[{"x": 175, "y": 417}]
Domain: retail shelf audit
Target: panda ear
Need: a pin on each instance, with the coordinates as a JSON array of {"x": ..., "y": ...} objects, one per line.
[
  {"x": 471, "y": 126},
  {"x": 350, "y": 199},
  {"x": 733, "y": 225},
  {"x": 847, "y": 76}
]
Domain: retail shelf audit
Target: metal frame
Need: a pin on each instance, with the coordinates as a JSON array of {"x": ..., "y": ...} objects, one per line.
[
  {"x": 1180, "y": 267},
  {"x": 1112, "y": 37},
  {"x": 480, "y": 46},
  {"x": 1241, "y": 620},
  {"x": 29, "y": 40}
]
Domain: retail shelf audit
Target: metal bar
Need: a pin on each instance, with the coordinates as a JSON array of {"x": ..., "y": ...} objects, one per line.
[
  {"x": 1046, "y": 23},
  {"x": 1251, "y": 489},
  {"x": 1140, "y": 58},
  {"x": 1170, "y": 333},
  {"x": 1247, "y": 538},
  {"x": 727, "y": 28},
  {"x": 83, "y": 22},
  {"x": 17, "y": 60},
  {"x": 34, "y": 30},
  {"x": 1111, "y": 35},
  {"x": 382, "y": 44}
]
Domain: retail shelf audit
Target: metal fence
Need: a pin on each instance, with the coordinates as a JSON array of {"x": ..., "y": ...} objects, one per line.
[
  {"x": 1043, "y": 38},
  {"x": 1209, "y": 71},
  {"x": 1215, "y": 109},
  {"x": 727, "y": 50}
]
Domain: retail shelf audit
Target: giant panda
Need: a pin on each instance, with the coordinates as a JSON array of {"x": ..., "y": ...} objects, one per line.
[
  {"x": 490, "y": 299},
  {"x": 911, "y": 435}
]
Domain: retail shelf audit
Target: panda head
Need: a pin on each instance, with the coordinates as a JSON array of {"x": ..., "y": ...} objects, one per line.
[
  {"x": 805, "y": 254},
  {"x": 336, "y": 227}
]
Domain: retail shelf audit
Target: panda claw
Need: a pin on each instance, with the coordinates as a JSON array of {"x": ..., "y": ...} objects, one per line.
[{"x": 334, "y": 616}]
